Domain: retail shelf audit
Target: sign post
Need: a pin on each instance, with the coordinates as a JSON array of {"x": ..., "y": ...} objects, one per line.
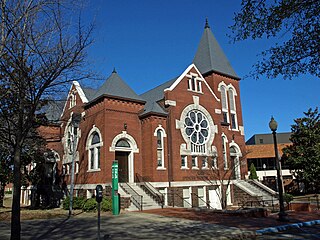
[{"x": 114, "y": 193}]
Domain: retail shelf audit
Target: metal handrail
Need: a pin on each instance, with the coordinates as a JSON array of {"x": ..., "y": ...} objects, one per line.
[
  {"x": 151, "y": 190},
  {"x": 263, "y": 203},
  {"x": 206, "y": 203},
  {"x": 137, "y": 199}
]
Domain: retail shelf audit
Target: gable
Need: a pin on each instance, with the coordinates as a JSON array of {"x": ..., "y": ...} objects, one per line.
[{"x": 192, "y": 72}]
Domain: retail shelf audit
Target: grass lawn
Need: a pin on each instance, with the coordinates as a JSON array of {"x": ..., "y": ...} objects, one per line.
[{"x": 27, "y": 214}]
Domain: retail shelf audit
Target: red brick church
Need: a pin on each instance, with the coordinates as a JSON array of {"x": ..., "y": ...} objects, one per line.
[{"x": 176, "y": 140}]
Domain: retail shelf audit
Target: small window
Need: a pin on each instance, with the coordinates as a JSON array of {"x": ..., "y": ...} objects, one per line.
[
  {"x": 205, "y": 162},
  {"x": 261, "y": 141},
  {"x": 194, "y": 162},
  {"x": 184, "y": 161},
  {"x": 160, "y": 150},
  {"x": 214, "y": 163},
  {"x": 233, "y": 121},
  {"x": 195, "y": 84},
  {"x": 224, "y": 152}
]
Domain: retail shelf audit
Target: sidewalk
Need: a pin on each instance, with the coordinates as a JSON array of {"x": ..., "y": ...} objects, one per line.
[
  {"x": 128, "y": 225},
  {"x": 244, "y": 223}
]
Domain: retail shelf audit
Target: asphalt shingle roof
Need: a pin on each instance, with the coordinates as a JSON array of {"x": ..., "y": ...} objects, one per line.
[
  {"x": 153, "y": 96},
  {"x": 210, "y": 56},
  {"x": 53, "y": 110},
  {"x": 115, "y": 86},
  {"x": 89, "y": 92}
]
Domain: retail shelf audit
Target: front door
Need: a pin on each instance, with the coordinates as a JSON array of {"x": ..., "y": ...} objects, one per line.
[{"x": 122, "y": 158}]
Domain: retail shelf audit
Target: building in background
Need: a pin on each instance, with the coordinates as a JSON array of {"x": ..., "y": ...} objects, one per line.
[{"x": 260, "y": 152}]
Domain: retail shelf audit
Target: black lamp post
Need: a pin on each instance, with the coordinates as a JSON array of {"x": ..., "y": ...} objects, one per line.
[{"x": 273, "y": 126}]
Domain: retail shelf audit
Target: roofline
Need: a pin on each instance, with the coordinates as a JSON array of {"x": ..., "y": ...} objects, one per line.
[
  {"x": 221, "y": 73},
  {"x": 153, "y": 113},
  {"x": 113, "y": 97}
]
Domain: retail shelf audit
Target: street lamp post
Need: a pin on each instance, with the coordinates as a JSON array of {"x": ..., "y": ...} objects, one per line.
[{"x": 273, "y": 126}]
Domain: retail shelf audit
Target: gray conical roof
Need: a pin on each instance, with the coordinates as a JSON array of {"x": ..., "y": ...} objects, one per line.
[
  {"x": 210, "y": 56},
  {"x": 116, "y": 87}
]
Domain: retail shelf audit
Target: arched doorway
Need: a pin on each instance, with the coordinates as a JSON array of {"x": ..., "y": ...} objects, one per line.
[
  {"x": 124, "y": 147},
  {"x": 123, "y": 151}
]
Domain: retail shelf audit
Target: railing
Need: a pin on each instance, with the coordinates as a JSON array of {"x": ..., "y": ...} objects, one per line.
[
  {"x": 136, "y": 199},
  {"x": 207, "y": 204},
  {"x": 271, "y": 204},
  {"x": 311, "y": 199},
  {"x": 150, "y": 190}
]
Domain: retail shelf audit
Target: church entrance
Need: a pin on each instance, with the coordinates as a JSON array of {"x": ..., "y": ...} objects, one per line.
[{"x": 123, "y": 166}]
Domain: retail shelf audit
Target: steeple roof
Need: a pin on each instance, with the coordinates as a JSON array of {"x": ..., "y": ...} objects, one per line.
[
  {"x": 116, "y": 87},
  {"x": 210, "y": 56}
]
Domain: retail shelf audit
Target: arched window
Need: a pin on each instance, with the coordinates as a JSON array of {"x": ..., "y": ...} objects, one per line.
[
  {"x": 94, "y": 151},
  {"x": 224, "y": 152},
  {"x": 122, "y": 143},
  {"x": 160, "y": 149},
  {"x": 233, "y": 113},
  {"x": 224, "y": 104}
]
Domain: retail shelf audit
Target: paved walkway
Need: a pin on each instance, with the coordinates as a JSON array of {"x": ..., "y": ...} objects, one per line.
[
  {"x": 129, "y": 225},
  {"x": 169, "y": 223}
]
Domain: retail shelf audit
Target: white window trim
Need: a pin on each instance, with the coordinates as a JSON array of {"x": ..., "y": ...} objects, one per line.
[
  {"x": 185, "y": 161},
  {"x": 163, "y": 135},
  {"x": 196, "y": 162},
  {"x": 196, "y": 81},
  {"x": 206, "y": 166},
  {"x": 94, "y": 147},
  {"x": 224, "y": 152}
]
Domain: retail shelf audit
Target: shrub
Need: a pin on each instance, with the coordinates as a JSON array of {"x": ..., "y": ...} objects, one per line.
[
  {"x": 66, "y": 203},
  {"x": 106, "y": 204},
  {"x": 253, "y": 172},
  {"x": 90, "y": 205},
  {"x": 78, "y": 203},
  {"x": 287, "y": 197}
]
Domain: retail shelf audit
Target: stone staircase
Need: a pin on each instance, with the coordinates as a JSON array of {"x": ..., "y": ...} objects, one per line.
[
  {"x": 139, "y": 198},
  {"x": 256, "y": 189}
]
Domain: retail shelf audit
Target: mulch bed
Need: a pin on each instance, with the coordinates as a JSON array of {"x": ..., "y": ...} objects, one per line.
[{"x": 231, "y": 220}]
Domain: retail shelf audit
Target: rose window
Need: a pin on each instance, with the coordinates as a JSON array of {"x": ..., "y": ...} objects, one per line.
[{"x": 197, "y": 127}]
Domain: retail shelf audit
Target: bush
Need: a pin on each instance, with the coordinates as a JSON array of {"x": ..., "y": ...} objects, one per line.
[
  {"x": 78, "y": 203},
  {"x": 90, "y": 205},
  {"x": 106, "y": 204},
  {"x": 287, "y": 198}
]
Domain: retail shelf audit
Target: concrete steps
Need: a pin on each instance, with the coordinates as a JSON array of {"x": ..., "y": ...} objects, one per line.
[
  {"x": 256, "y": 189},
  {"x": 147, "y": 202}
]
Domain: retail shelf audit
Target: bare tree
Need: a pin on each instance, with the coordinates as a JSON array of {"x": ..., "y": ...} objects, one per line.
[
  {"x": 42, "y": 46},
  {"x": 220, "y": 176}
]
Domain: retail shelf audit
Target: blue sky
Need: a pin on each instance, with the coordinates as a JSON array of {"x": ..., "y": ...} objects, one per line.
[{"x": 150, "y": 42}]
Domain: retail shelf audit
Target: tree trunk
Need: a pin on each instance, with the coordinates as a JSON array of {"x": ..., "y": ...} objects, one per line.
[
  {"x": 2, "y": 186},
  {"x": 15, "y": 216}
]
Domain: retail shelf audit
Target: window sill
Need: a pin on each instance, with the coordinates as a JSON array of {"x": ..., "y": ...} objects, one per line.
[
  {"x": 205, "y": 168},
  {"x": 161, "y": 168},
  {"x": 225, "y": 169},
  {"x": 235, "y": 129},
  {"x": 225, "y": 124},
  {"x": 195, "y": 168},
  {"x": 184, "y": 168},
  {"x": 94, "y": 170},
  {"x": 194, "y": 91}
]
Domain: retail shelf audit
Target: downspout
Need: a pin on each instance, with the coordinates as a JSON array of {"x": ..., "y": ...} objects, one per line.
[{"x": 169, "y": 142}]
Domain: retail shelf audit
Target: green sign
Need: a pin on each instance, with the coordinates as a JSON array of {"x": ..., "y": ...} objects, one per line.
[{"x": 115, "y": 195}]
